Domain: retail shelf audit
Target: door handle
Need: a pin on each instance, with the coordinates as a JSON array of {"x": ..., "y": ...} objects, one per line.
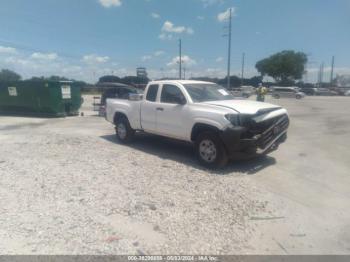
[{"x": 160, "y": 109}]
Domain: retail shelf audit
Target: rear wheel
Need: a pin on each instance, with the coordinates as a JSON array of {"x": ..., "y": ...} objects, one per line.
[
  {"x": 298, "y": 96},
  {"x": 124, "y": 132},
  {"x": 276, "y": 96},
  {"x": 210, "y": 150}
]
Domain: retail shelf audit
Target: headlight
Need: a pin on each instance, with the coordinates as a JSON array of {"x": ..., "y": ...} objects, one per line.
[{"x": 233, "y": 118}]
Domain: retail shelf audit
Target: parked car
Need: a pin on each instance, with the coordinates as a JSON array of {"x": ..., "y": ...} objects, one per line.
[
  {"x": 290, "y": 92},
  {"x": 310, "y": 91},
  {"x": 115, "y": 90},
  {"x": 325, "y": 92},
  {"x": 204, "y": 114},
  {"x": 347, "y": 93}
]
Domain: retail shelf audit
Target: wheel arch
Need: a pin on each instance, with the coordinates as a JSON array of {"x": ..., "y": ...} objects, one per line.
[
  {"x": 118, "y": 115},
  {"x": 198, "y": 128}
]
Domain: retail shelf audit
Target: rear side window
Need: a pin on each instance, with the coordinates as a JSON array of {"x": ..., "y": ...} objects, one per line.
[
  {"x": 152, "y": 93},
  {"x": 109, "y": 93},
  {"x": 124, "y": 93}
]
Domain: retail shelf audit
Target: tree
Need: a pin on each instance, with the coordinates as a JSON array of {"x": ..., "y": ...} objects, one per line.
[
  {"x": 285, "y": 67},
  {"x": 109, "y": 79},
  {"x": 8, "y": 75},
  {"x": 127, "y": 80},
  {"x": 135, "y": 80},
  {"x": 342, "y": 80},
  {"x": 57, "y": 78},
  {"x": 51, "y": 78},
  {"x": 254, "y": 81}
]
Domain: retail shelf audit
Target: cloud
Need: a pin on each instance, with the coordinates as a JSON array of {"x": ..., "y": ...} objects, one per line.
[
  {"x": 155, "y": 15},
  {"x": 222, "y": 17},
  {"x": 207, "y": 3},
  {"x": 200, "y": 17},
  {"x": 17, "y": 61},
  {"x": 215, "y": 72},
  {"x": 337, "y": 70},
  {"x": 190, "y": 31},
  {"x": 185, "y": 59},
  {"x": 159, "y": 53},
  {"x": 110, "y": 3},
  {"x": 219, "y": 59},
  {"x": 95, "y": 59},
  {"x": 146, "y": 58},
  {"x": 155, "y": 54},
  {"x": 169, "y": 29},
  {"x": 44, "y": 56},
  {"x": 7, "y": 50},
  {"x": 164, "y": 36}
]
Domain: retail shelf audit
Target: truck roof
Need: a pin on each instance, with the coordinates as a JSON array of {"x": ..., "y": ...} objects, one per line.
[{"x": 183, "y": 82}]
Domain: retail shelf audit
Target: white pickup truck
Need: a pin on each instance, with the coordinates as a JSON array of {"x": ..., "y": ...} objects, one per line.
[{"x": 204, "y": 114}]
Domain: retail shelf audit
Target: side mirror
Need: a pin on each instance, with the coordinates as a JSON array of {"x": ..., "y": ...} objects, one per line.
[{"x": 181, "y": 100}]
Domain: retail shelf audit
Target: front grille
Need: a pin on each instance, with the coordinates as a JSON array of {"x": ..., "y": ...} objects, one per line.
[
  {"x": 274, "y": 131},
  {"x": 260, "y": 128}
]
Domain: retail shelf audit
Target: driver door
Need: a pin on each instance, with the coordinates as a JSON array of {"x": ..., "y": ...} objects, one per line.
[{"x": 171, "y": 112}]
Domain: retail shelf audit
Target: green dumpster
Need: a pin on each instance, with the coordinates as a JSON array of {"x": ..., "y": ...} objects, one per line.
[{"x": 45, "y": 98}]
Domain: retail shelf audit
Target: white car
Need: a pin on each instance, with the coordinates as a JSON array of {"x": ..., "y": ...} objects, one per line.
[
  {"x": 204, "y": 114},
  {"x": 287, "y": 92},
  {"x": 347, "y": 93}
]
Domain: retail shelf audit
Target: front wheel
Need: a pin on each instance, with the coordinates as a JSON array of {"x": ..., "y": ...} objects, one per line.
[
  {"x": 210, "y": 150},
  {"x": 298, "y": 97},
  {"x": 124, "y": 132}
]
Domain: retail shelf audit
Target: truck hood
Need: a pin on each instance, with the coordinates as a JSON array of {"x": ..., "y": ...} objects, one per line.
[{"x": 244, "y": 106}]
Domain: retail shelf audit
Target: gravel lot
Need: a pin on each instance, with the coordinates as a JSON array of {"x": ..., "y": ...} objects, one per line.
[{"x": 68, "y": 187}]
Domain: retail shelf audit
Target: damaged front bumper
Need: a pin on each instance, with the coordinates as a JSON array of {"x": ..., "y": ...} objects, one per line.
[{"x": 239, "y": 145}]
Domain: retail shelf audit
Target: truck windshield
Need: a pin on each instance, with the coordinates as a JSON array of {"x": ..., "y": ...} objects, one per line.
[{"x": 207, "y": 92}]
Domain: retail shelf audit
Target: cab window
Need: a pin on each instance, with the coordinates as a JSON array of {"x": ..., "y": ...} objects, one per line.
[{"x": 172, "y": 95}]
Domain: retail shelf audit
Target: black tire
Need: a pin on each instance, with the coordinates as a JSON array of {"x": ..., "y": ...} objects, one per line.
[
  {"x": 124, "y": 132},
  {"x": 276, "y": 96},
  {"x": 298, "y": 97},
  {"x": 209, "y": 159}
]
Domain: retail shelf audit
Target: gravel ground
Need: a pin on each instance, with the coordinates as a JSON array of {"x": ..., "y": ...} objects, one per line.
[{"x": 68, "y": 187}]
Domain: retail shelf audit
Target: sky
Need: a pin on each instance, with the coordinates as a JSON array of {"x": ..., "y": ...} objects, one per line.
[{"x": 85, "y": 39}]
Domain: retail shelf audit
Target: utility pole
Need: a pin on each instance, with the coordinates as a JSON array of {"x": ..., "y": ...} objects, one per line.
[
  {"x": 229, "y": 51},
  {"x": 180, "y": 59},
  {"x": 184, "y": 68},
  {"x": 162, "y": 70},
  {"x": 320, "y": 76},
  {"x": 332, "y": 70},
  {"x": 243, "y": 63}
]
